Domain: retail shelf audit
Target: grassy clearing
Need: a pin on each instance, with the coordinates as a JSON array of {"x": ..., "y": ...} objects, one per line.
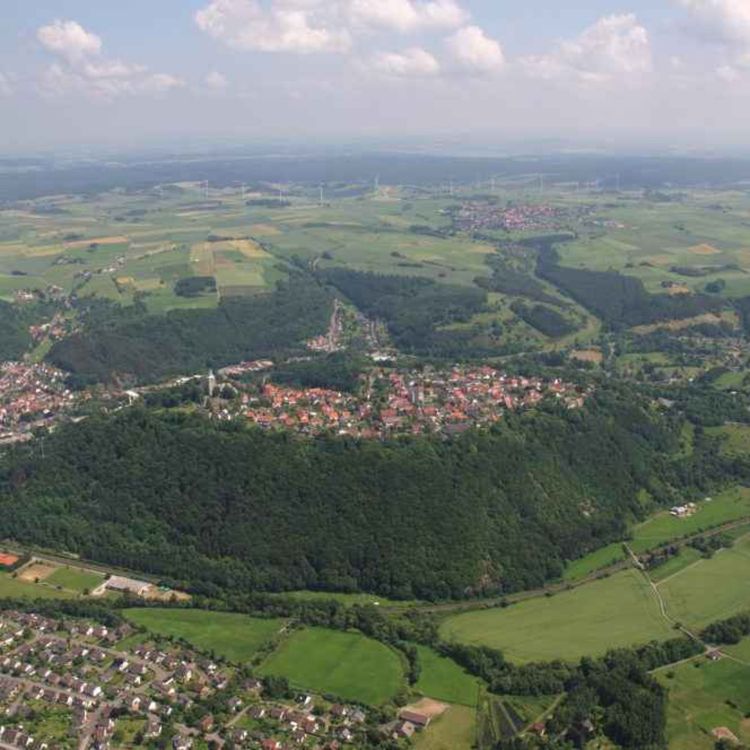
[
  {"x": 663, "y": 528},
  {"x": 15, "y": 588},
  {"x": 728, "y": 506},
  {"x": 348, "y": 665},
  {"x": 702, "y": 698},
  {"x": 444, "y": 680},
  {"x": 454, "y": 730},
  {"x": 349, "y": 599},
  {"x": 735, "y": 439},
  {"x": 677, "y": 563},
  {"x": 235, "y": 637},
  {"x": 75, "y": 579},
  {"x": 600, "y": 558},
  {"x": 711, "y": 589},
  {"x": 617, "y": 611}
]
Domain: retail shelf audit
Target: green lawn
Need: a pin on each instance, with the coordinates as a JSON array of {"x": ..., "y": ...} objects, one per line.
[
  {"x": 735, "y": 439},
  {"x": 235, "y": 637},
  {"x": 454, "y": 730},
  {"x": 616, "y": 611},
  {"x": 711, "y": 589},
  {"x": 12, "y": 587},
  {"x": 444, "y": 680},
  {"x": 75, "y": 579},
  {"x": 348, "y": 665},
  {"x": 699, "y": 701}
]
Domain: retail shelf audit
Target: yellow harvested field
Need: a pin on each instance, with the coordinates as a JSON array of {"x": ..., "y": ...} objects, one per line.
[
  {"x": 202, "y": 259},
  {"x": 249, "y": 248},
  {"x": 587, "y": 355},
  {"x": 264, "y": 230},
  {"x": 427, "y": 707},
  {"x": 678, "y": 289},
  {"x": 36, "y": 571},
  {"x": 676, "y": 325},
  {"x": 704, "y": 249}
]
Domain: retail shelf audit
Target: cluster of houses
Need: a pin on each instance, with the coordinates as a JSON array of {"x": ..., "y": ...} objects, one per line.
[
  {"x": 478, "y": 216},
  {"x": 30, "y": 394},
  {"x": 404, "y": 402},
  {"x": 88, "y": 674}
]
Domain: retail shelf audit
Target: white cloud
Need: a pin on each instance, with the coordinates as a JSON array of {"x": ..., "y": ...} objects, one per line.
[
  {"x": 69, "y": 39},
  {"x": 613, "y": 47},
  {"x": 301, "y": 26},
  {"x": 411, "y": 62},
  {"x": 728, "y": 74},
  {"x": 726, "y": 21},
  {"x": 407, "y": 15},
  {"x": 216, "y": 81},
  {"x": 6, "y": 87},
  {"x": 82, "y": 68},
  {"x": 473, "y": 50},
  {"x": 307, "y": 26}
]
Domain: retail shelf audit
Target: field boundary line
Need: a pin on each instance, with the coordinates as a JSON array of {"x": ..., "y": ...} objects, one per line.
[{"x": 674, "y": 575}]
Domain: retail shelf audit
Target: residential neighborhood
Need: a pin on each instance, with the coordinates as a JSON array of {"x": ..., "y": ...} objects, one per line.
[
  {"x": 75, "y": 684},
  {"x": 395, "y": 402}
]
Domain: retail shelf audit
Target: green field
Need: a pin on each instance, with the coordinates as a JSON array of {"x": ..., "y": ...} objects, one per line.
[
  {"x": 688, "y": 556},
  {"x": 233, "y": 636},
  {"x": 348, "y": 599},
  {"x": 617, "y": 611},
  {"x": 700, "y": 699},
  {"x": 592, "y": 562},
  {"x": 348, "y": 665},
  {"x": 444, "y": 680},
  {"x": 729, "y": 505},
  {"x": 75, "y": 579},
  {"x": 711, "y": 589},
  {"x": 454, "y": 730},
  {"x": 662, "y": 528},
  {"x": 13, "y": 588},
  {"x": 735, "y": 439}
]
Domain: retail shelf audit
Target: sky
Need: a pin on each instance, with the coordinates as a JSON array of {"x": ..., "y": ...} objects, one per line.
[{"x": 87, "y": 73}]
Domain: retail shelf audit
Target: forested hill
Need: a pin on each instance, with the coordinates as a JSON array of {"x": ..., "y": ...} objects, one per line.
[
  {"x": 235, "y": 508},
  {"x": 147, "y": 348}
]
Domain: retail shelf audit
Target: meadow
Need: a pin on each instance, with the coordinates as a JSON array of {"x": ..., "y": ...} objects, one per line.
[
  {"x": 617, "y": 611},
  {"x": 75, "y": 579},
  {"x": 347, "y": 665},
  {"x": 712, "y": 589},
  {"x": 662, "y": 528},
  {"x": 14, "y": 588},
  {"x": 444, "y": 680},
  {"x": 705, "y": 695},
  {"x": 454, "y": 730},
  {"x": 233, "y": 636}
]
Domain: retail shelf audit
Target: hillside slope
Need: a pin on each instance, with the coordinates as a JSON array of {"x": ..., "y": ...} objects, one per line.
[{"x": 236, "y": 508}]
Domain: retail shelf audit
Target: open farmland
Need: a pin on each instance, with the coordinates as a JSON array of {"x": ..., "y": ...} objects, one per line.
[
  {"x": 235, "y": 637},
  {"x": 617, "y": 611},
  {"x": 348, "y": 665},
  {"x": 662, "y": 528},
  {"x": 703, "y": 696},
  {"x": 712, "y": 589}
]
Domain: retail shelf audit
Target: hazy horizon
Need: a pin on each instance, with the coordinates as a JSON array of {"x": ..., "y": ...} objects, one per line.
[{"x": 418, "y": 74}]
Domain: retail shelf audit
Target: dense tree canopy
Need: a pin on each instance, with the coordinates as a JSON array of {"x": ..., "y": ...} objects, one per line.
[
  {"x": 137, "y": 346},
  {"x": 234, "y": 508}
]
